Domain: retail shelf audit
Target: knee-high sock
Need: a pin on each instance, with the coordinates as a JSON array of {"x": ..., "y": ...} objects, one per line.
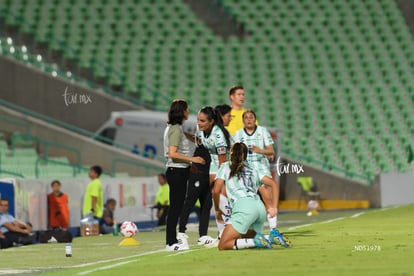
[
  {"x": 272, "y": 222},
  {"x": 226, "y": 210}
]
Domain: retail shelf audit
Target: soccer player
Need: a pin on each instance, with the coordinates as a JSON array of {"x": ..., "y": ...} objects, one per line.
[
  {"x": 258, "y": 141},
  {"x": 224, "y": 111},
  {"x": 260, "y": 149},
  {"x": 248, "y": 212},
  {"x": 179, "y": 159},
  {"x": 216, "y": 139}
]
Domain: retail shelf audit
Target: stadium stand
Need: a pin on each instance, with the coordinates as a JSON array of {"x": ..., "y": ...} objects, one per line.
[
  {"x": 22, "y": 159},
  {"x": 335, "y": 76}
]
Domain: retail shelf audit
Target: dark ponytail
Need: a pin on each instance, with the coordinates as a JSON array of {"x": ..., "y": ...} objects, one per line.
[
  {"x": 218, "y": 121},
  {"x": 237, "y": 157},
  {"x": 222, "y": 109}
]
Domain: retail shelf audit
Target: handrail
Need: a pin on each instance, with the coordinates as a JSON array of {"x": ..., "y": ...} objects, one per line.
[
  {"x": 73, "y": 128},
  {"x": 11, "y": 173},
  {"x": 86, "y": 169},
  {"x": 46, "y": 145},
  {"x": 48, "y": 160},
  {"x": 16, "y": 122},
  {"x": 7, "y": 171}
]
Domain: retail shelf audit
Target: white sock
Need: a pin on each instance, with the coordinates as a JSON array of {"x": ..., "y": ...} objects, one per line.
[
  {"x": 272, "y": 222},
  {"x": 244, "y": 243},
  {"x": 220, "y": 227},
  {"x": 225, "y": 208}
]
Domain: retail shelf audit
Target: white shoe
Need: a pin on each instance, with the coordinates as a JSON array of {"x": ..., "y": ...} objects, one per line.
[
  {"x": 215, "y": 243},
  {"x": 206, "y": 240},
  {"x": 176, "y": 247},
  {"x": 183, "y": 240}
]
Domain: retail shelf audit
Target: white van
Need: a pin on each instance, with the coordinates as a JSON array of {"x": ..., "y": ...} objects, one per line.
[{"x": 140, "y": 131}]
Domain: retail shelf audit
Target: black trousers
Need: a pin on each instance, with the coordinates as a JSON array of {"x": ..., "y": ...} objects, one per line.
[
  {"x": 3, "y": 243},
  {"x": 198, "y": 188},
  {"x": 177, "y": 180},
  {"x": 14, "y": 237}
]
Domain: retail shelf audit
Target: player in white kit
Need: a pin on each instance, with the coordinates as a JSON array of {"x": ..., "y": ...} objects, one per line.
[
  {"x": 214, "y": 137},
  {"x": 260, "y": 145},
  {"x": 243, "y": 230}
]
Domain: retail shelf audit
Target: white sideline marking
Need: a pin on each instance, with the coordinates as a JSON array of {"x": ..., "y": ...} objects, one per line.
[
  {"x": 300, "y": 226},
  {"x": 357, "y": 215},
  {"x": 117, "y": 259},
  {"x": 105, "y": 267},
  {"x": 126, "y": 262},
  {"x": 340, "y": 218},
  {"x": 331, "y": 220},
  {"x": 310, "y": 224},
  {"x": 180, "y": 253},
  {"x": 16, "y": 271},
  {"x": 102, "y": 261},
  {"x": 390, "y": 207}
]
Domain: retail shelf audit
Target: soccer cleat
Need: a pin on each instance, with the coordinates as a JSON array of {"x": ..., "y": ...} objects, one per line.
[
  {"x": 176, "y": 247},
  {"x": 207, "y": 241},
  {"x": 261, "y": 242},
  {"x": 278, "y": 238},
  {"x": 183, "y": 240}
]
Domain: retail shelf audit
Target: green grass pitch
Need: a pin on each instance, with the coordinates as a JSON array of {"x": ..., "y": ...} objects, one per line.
[{"x": 367, "y": 242}]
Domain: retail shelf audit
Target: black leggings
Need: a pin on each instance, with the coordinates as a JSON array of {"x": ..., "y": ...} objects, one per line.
[
  {"x": 177, "y": 179},
  {"x": 198, "y": 188}
]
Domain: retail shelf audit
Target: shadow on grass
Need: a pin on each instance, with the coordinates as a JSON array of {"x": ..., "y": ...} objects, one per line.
[{"x": 304, "y": 233}]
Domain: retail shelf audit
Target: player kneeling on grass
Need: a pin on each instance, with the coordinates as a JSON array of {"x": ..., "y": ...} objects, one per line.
[{"x": 248, "y": 212}]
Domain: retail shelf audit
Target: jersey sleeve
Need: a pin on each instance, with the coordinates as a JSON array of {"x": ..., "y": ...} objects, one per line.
[
  {"x": 220, "y": 142},
  {"x": 223, "y": 172},
  {"x": 267, "y": 137}
]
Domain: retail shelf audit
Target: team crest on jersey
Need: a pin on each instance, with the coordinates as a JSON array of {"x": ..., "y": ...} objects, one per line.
[{"x": 221, "y": 150}]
